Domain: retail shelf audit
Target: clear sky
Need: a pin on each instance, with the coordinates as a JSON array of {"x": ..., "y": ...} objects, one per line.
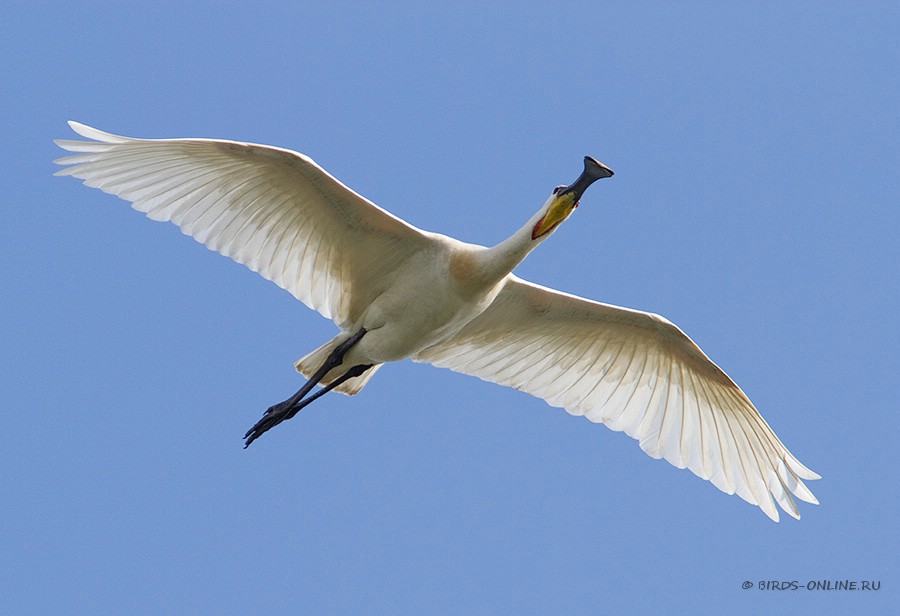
[{"x": 754, "y": 204}]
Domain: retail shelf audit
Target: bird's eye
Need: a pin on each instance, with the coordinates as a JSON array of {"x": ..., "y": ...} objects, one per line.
[{"x": 557, "y": 189}]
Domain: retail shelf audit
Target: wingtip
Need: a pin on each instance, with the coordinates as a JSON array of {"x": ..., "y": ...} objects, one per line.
[
  {"x": 801, "y": 470},
  {"x": 78, "y": 127},
  {"x": 96, "y": 134}
]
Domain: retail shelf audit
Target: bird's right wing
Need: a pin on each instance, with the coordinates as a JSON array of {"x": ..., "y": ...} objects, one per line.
[
  {"x": 273, "y": 210},
  {"x": 635, "y": 372}
]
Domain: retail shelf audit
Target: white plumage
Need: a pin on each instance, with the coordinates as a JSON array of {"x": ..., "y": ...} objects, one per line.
[{"x": 438, "y": 300}]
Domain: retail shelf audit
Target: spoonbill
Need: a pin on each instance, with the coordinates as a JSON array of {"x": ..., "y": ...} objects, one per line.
[{"x": 396, "y": 291}]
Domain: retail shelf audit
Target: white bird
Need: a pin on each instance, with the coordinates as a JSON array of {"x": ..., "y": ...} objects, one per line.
[{"x": 396, "y": 291}]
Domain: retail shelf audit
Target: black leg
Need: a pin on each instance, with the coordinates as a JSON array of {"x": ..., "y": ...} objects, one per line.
[
  {"x": 352, "y": 372},
  {"x": 282, "y": 411}
]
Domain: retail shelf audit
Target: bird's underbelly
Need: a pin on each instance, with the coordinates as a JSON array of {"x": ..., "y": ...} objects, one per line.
[{"x": 400, "y": 324}]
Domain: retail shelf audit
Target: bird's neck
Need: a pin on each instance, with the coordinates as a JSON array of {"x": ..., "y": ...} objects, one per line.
[{"x": 498, "y": 261}]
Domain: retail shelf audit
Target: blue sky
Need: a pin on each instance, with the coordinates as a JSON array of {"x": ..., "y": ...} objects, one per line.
[{"x": 754, "y": 204}]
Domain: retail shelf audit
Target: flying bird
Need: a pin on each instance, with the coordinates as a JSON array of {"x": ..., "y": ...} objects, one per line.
[{"x": 396, "y": 291}]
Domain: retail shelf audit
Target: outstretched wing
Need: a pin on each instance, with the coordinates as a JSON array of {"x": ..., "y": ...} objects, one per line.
[
  {"x": 273, "y": 210},
  {"x": 635, "y": 372}
]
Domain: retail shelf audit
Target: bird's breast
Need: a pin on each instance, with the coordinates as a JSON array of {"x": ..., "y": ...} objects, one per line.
[{"x": 430, "y": 301}]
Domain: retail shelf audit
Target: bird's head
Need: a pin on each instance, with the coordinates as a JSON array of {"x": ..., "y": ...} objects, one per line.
[{"x": 566, "y": 198}]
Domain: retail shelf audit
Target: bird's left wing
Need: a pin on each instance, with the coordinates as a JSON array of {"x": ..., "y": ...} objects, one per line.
[
  {"x": 635, "y": 372},
  {"x": 273, "y": 210}
]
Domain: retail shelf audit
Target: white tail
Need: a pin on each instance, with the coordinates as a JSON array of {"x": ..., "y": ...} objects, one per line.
[{"x": 308, "y": 364}]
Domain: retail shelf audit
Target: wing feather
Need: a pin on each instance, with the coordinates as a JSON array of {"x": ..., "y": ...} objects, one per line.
[
  {"x": 273, "y": 210},
  {"x": 635, "y": 372}
]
